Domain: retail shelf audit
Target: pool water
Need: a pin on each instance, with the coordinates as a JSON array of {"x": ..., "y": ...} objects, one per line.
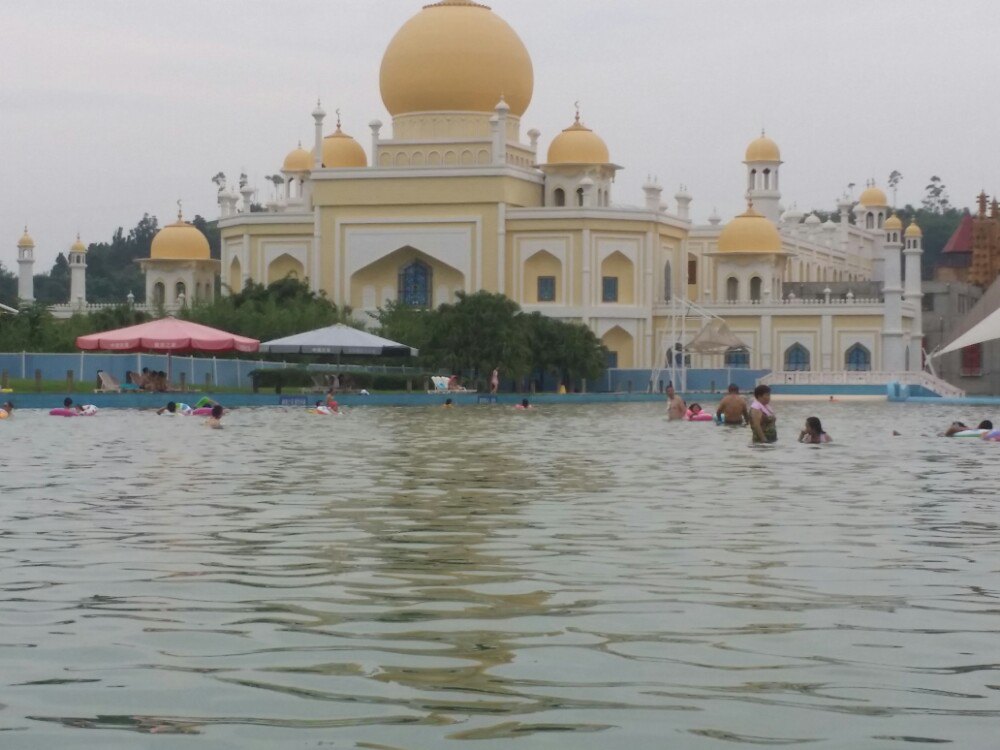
[{"x": 572, "y": 577}]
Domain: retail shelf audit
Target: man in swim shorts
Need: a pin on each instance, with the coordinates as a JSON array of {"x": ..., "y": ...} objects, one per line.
[
  {"x": 733, "y": 408},
  {"x": 676, "y": 408}
]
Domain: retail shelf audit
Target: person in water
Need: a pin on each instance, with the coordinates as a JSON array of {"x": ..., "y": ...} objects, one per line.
[
  {"x": 215, "y": 421},
  {"x": 762, "y": 418},
  {"x": 331, "y": 402},
  {"x": 525, "y": 404},
  {"x": 676, "y": 408},
  {"x": 694, "y": 409},
  {"x": 448, "y": 403},
  {"x": 813, "y": 432},
  {"x": 67, "y": 403},
  {"x": 6, "y": 409},
  {"x": 173, "y": 407},
  {"x": 733, "y": 408}
]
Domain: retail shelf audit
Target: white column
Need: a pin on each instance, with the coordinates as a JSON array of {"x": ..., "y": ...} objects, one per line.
[
  {"x": 376, "y": 128},
  {"x": 826, "y": 344},
  {"x": 502, "y": 250},
  {"x": 893, "y": 350},
  {"x": 25, "y": 273},
  {"x": 765, "y": 346},
  {"x": 318, "y": 114},
  {"x": 914, "y": 296},
  {"x": 77, "y": 279},
  {"x": 588, "y": 296}
]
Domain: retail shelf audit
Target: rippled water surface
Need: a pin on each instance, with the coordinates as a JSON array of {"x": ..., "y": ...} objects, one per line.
[{"x": 576, "y": 577}]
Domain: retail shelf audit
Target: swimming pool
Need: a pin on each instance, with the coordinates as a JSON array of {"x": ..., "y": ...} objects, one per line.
[{"x": 418, "y": 578}]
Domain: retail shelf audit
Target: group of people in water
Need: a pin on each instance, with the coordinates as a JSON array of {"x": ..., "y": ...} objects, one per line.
[
  {"x": 984, "y": 430},
  {"x": 734, "y": 411}
]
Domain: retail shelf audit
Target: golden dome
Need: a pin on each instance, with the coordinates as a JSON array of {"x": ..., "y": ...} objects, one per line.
[
  {"x": 298, "y": 160},
  {"x": 26, "y": 240},
  {"x": 873, "y": 197},
  {"x": 578, "y": 144},
  {"x": 456, "y": 56},
  {"x": 914, "y": 230},
  {"x": 180, "y": 241},
  {"x": 750, "y": 232},
  {"x": 78, "y": 246},
  {"x": 763, "y": 149},
  {"x": 893, "y": 222},
  {"x": 340, "y": 151}
]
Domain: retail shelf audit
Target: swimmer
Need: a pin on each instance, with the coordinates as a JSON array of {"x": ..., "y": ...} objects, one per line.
[
  {"x": 331, "y": 402},
  {"x": 174, "y": 408},
  {"x": 733, "y": 408},
  {"x": 67, "y": 403},
  {"x": 215, "y": 421},
  {"x": 953, "y": 428},
  {"x": 448, "y": 403},
  {"x": 675, "y": 405},
  {"x": 524, "y": 405},
  {"x": 322, "y": 408},
  {"x": 6, "y": 409},
  {"x": 813, "y": 432},
  {"x": 762, "y": 418}
]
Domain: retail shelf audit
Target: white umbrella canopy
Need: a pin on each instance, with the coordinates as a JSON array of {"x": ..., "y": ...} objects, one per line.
[
  {"x": 987, "y": 329},
  {"x": 338, "y": 339}
]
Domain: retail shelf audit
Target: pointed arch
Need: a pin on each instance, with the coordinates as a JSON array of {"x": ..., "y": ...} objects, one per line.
[
  {"x": 732, "y": 289},
  {"x": 235, "y": 276},
  {"x": 858, "y": 358},
  {"x": 796, "y": 358},
  {"x": 620, "y": 345},
  {"x": 283, "y": 267}
]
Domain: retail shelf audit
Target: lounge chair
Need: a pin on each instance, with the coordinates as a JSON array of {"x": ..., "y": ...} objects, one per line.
[
  {"x": 108, "y": 383},
  {"x": 440, "y": 384}
]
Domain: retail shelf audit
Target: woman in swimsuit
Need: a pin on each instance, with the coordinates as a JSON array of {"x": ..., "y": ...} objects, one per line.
[{"x": 762, "y": 418}]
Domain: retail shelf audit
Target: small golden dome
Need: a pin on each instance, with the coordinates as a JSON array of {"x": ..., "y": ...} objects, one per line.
[
  {"x": 914, "y": 230},
  {"x": 180, "y": 241},
  {"x": 26, "y": 240},
  {"x": 341, "y": 151},
  {"x": 873, "y": 197},
  {"x": 893, "y": 222},
  {"x": 578, "y": 144},
  {"x": 750, "y": 232},
  {"x": 456, "y": 56},
  {"x": 763, "y": 149},
  {"x": 298, "y": 160},
  {"x": 78, "y": 246}
]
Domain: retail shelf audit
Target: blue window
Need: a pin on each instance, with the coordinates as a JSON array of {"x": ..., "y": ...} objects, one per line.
[
  {"x": 858, "y": 359},
  {"x": 609, "y": 289},
  {"x": 737, "y": 357},
  {"x": 796, "y": 358},
  {"x": 611, "y": 361},
  {"x": 546, "y": 288},
  {"x": 415, "y": 285}
]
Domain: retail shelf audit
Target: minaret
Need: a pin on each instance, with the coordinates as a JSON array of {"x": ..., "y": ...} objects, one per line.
[
  {"x": 683, "y": 198},
  {"x": 913, "y": 294},
  {"x": 763, "y": 159},
  {"x": 499, "y": 124},
  {"x": 78, "y": 274},
  {"x": 318, "y": 114},
  {"x": 25, "y": 268},
  {"x": 893, "y": 349}
]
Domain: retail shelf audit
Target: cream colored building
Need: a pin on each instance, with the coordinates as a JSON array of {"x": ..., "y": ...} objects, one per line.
[{"x": 454, "y": 196}]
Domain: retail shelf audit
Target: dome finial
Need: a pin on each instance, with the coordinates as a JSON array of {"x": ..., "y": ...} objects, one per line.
[
  {"x": 337, "y": 112},
  {"x": 576, "y": 105},
  {"x": 180, "y": 213}
]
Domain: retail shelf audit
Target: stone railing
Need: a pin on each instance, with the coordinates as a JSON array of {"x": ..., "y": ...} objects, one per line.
[
  {"x": 862, "y": 377},
  {"x": 801, "y": 301},
  {"x": 68, "y": 310}
]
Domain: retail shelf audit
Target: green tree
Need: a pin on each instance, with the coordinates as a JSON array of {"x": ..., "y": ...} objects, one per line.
[
  {"x": 52, "y": 288},
  {"x": 8, "y": 287},
  {"x": 936, "y": 199},
  {"x": 895, "y": 177}
]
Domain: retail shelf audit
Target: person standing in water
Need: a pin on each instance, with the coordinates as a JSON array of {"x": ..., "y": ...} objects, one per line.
[
  {"x": 676, "y": 408},
  {"x": 495, "y": 381},
  {"x": 762, "y": 418},
  {"x": 733, "y": 408}
]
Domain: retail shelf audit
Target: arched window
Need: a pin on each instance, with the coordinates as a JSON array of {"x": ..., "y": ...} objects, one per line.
[
  {"x": 415, "y": 285},
  {"x": 180, "y": 291},
  {"x": 858, "y": 359},
  {"x": 159, "y": 293},
  {"x": 753, "y": 179},
  {"x": 738, "y": 357},
  {"x": 869, "y": 221},
  {"x": 767, "y": 179},
  {"x": 579, "y": 196},
  {"x": 668, "y": 282},
  {"x": 559, "y": 197},
  {"x": 732, "y": 289},
  {"x": 796, "y": 358},
  {"x": 755, "y": 285}
]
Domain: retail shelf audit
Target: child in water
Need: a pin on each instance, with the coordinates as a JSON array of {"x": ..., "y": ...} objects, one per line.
[
  {"x": 215, "y": 421},
  {"x": 813, "y": 432},
  {"x": 524, "y": 405}
]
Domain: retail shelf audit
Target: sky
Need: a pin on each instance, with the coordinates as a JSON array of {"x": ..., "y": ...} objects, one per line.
[{"x": 110, "y": 109}]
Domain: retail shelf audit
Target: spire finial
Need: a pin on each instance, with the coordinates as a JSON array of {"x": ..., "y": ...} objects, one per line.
[
  {"x": 337, "y": 111},
  {"x": 762, "y": 132},
  {"x": 180, "y": 213},
  {"x": 576, "y": 104}
]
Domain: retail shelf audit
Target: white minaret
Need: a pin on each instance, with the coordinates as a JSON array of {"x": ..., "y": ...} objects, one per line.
[
  {"x": 78, "y": 274},
  {"x": 653, "y": 191},
  {"x": 893, "y": 347},
  {"x": 683, "y": 198},
  {"x": 763, "y": 160},
  {"x": 26, "y": 268},
  {"x": 913, "y": 294},
  {"x": 318, "y": 114}
]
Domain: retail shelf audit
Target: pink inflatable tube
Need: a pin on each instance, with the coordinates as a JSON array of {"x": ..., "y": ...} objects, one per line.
[
  {"x": 702, "y": 416},
  {"x": 62, "y": 412},
  {"x": 204, "y": 411}
]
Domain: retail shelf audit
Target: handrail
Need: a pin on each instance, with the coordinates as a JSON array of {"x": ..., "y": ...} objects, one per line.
[{"x": 863, "y": 377}]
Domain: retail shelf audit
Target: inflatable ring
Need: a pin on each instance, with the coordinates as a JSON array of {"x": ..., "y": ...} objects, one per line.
[
  {"x": 702, "y": 416},
  {"x": 202, "y": 411},
  {"x": 971, "y": 433},
  {"x": 4, "y": 414},
  {"x": 60, "y": 412}
]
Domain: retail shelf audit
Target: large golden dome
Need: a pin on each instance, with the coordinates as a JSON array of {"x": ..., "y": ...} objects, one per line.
[
  {"x": 26, "y": 240},
  {"x": 872, "y": 196},
  {"x": 763, "y": 149},
  {"x": 456, "y": 56},
  {"x": 578, "y": 144},
  {"x": 750, "y": 232},
  {"x": 341, "y": 151},
  {"x": 180, "y": 241}
]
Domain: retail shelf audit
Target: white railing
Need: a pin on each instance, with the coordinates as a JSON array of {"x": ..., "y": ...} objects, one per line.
[
  {"x": 68, "y": 310},
  {"x": 862, "y": 377},
  {"x": 799, "y": 301}
]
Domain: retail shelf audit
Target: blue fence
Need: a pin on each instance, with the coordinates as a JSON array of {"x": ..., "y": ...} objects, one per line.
[
  {"x": 698, "y": 381},
  {"x": 225, "y": 373}
]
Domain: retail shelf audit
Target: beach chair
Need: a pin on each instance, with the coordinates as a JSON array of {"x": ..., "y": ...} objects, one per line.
[
  {"x": 440, "y": 383},
  {"x": 108, "y": 383},
  {"x": 319, "y": 384}
]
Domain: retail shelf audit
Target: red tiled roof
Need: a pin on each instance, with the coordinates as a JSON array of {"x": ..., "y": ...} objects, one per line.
[{"x": 961, "y": 240}]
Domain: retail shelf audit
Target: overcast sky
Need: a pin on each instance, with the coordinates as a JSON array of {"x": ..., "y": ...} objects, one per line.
[{"x": 112, "y": 109}]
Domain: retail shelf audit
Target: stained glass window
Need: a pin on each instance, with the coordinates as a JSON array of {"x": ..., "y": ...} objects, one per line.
[{"x": 415, "y": 285}]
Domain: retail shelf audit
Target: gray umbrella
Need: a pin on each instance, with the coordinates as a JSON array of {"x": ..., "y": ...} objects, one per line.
[{"x": 338, "y": 339}]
